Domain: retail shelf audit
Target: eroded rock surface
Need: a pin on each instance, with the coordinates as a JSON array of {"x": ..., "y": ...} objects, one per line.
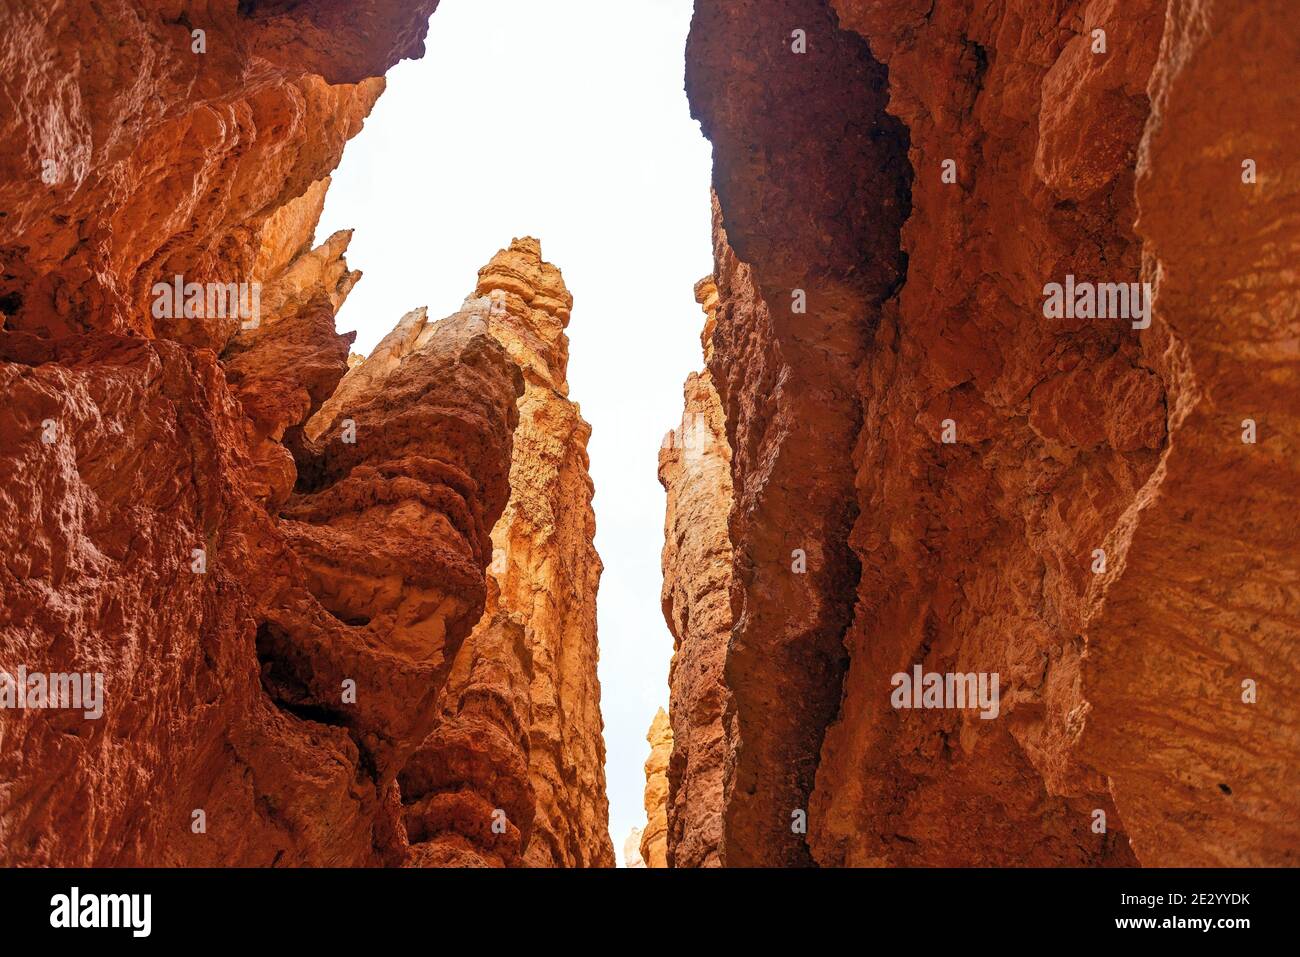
[
  {"x": 272, "y": 626},
  {"x": 979, "y": 488},
  {"x": 695, "y": 471},
  {"x": 654, "y": 839},
  {"x": 133, "y": 153},
  {"x": 803, "y": 140},
  {"x": 520, "y": 729},
  {"x": 271, "y": 550}
]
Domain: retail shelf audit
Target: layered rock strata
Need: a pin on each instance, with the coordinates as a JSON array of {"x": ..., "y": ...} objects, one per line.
[
  {"x": 1087, "y": 507},
  {"x": 519, "y": 743},
  {"x": 654, "y": 839}
]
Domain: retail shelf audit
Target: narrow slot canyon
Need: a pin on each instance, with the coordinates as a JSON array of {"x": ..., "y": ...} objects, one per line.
[{"x": 957, "y": 570}]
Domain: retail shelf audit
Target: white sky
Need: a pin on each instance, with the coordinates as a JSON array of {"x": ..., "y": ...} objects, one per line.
[{"x": 563, "y": 120}]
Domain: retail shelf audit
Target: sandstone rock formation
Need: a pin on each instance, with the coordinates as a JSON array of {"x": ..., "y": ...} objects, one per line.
[
  {"x": 335, "y": 610},
  {"x": 520, "y": 732},
  {"x": 274, "y": 575},
  {"x": 137, "y": 149},
  {"x": 695, "y": 470},
  {"x": 654, "y": 839},
  {"x": 800, "y": 139},
  {"x": 272, "y": 617},
  {"x": 1074, "y": 504},
  {"x": 632, "y": 849}
]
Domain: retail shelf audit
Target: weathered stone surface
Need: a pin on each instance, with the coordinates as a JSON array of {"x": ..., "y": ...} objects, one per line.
[
  {"x": 1206, "y": 596},
  {"x": 520, "y": 732},
  {"x": 976, "y": 554},
  {"x": 801, "y": 140},
  {"x": 695, "y": 471},
  {"x": 1121, "y": 690},
  {"x": 225, "y": 682},
  {"x": 274, "y": 609},
  {"x": 654, "y": 839},
  {"x": 129, "y": 158}
]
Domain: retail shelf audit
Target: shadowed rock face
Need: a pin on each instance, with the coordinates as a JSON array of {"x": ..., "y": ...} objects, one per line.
[
  {"x": 273, "y": 567},
  {"x": 1120, "y": 683},
  {"x": 802, "y": 140}
]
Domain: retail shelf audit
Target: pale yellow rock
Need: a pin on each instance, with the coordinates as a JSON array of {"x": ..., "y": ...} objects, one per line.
[
  {"x": 632, "y": 849},
  {"x": 654, "y": 840}
]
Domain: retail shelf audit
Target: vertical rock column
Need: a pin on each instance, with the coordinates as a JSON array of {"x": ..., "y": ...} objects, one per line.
[
  {"x": 514, "y": 772},
  {"x": 654, "y": 839},
  {"x": 695, "y": 471}
]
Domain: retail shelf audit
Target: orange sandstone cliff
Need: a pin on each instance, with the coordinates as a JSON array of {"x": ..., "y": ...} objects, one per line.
[
  {"x": 342, "y": 609},
  {"x": 695, "y": 470},
  {"x": 519, "y": 735},
  {"x": 654, "y": 839},
  {"x": 273, "y": 553},
  {"x": 930, "y": 470}
]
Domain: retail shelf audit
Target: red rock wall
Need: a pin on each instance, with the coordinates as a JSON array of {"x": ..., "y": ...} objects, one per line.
[
  {"x": 1121, "y": 690},
  {"x": 274, "y": 570},
  {"x": 227, "y": 671},
  {"x": 129, "y": 157},
  {"x": 803, "y": 142},
  {"x": 1210, "y": 547}
]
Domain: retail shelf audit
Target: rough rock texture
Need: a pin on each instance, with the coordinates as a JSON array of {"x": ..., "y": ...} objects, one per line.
[
  {"x": 128, "y": 157},
  {"x": 1210, "y": 577},
  {"x": 1121, "y": 687},
  {"x": 801, "y": 140},
  {"x": 520, "y": 732},
  {"x": 654, "y": 839},
  {"x": 274, "y": 609},
  {"x": 227, "y": 670},
  {"x": 695, "y": 471}
]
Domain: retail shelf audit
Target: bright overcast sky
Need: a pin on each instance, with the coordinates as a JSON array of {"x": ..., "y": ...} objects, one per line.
[{"x": 563, "y": 120}]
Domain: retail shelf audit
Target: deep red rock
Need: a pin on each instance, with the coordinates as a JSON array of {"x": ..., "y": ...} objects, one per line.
[{"x": 1121, "y": 686}]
